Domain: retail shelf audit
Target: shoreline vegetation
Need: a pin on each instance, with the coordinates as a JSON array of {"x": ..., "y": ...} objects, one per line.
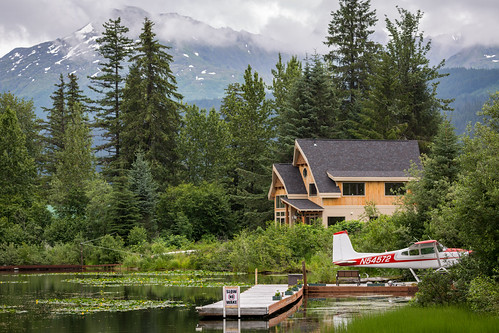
[{"x": 410, "y": 319}]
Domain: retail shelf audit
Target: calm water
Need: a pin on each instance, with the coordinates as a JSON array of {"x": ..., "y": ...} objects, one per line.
[{"x": 32, "y": 303}]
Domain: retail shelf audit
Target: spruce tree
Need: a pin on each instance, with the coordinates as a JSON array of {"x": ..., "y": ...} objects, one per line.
[
  {"x": 75, "y": 98},
  {"x": 124, "y": 211},
  {"x": 144, "y": 188},
  {"x": 312, "y": 108},
  {"x": 74, "y": 167},
  {"x": 55, "y": 127},
  {"x": 404, "y": 85},
  {"x": 351, "y": 54},
  {"x": 434, "y": 182},
  {"x": 285, "y": 77},
  {"x": 115, "y": 47},
  {"x": 151, "y": 107},
  {"x": 204, "y": 157},
  {"x": 247, "y": 113},
  {"x": 17, "y": 168}
]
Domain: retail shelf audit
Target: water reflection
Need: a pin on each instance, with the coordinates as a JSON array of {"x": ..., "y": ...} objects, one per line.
[{"x": 19, "y": 311}]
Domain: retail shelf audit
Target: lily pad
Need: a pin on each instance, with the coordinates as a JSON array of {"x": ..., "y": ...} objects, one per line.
[{"x": 83, "y": 306}]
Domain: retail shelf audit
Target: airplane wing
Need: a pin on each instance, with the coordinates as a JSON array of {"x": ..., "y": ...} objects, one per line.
[{"x": 426, "y": 243}]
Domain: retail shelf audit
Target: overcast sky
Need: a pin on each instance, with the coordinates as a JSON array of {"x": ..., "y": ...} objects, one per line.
[{"x": 301, "y": 23}]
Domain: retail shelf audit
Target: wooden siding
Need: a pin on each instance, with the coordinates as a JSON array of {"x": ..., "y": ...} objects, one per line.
[
  {"x": 375, "y": 192},
  {"x": 300, "y": 160}
]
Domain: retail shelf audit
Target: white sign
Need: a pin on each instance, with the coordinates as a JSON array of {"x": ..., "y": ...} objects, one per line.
[{"x": 231, "y": 299}]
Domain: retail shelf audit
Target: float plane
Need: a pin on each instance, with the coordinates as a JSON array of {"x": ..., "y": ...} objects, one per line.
[{"x": 420, "y": 255}]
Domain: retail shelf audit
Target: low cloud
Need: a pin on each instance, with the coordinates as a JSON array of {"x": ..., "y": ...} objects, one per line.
[{"x": 299, "y": 25}]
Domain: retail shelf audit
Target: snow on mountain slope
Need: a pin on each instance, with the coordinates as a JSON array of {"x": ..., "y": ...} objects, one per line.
[{"x": 206, "y": 59}]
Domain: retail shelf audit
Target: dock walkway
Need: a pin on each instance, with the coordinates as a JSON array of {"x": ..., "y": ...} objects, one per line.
[{"x": 255, "y": 302}]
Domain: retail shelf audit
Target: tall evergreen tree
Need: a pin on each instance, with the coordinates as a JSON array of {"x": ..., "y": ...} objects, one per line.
[
  {"x": 351, "y": 54},
  {"x": 433, "y": 184},
  {"x": 17, "y": 168},
  {"x": 204, "y": 157},
  {"x": 285, "y": 77},
  {"x": 247, "y": 113},
  {"x": 55, "y": 126},
  {"x": 124, "y": 211},
  {"x": 403, "y": 101},
  {"x": 115, "y": 47},
  {"x": 312, "y": 108},
  {"x": 25, "y": 112},
  {"x": 151, "y": 117},
  {"x": 75, "y": 97},
  {"x": 144, "y": 188},
  {"x": 74, "y": 167}
]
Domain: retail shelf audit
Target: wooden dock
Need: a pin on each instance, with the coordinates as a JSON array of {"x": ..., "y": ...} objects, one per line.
[
  {"x": 362, "y": 290},
  {"x": 255, "y": 302}
]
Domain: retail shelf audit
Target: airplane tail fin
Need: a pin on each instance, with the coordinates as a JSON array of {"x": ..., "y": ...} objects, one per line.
[{"x": 342, "y": 247}]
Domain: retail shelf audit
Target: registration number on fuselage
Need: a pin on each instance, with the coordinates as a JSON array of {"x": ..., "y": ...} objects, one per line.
[{"x": 376, "y": 260}]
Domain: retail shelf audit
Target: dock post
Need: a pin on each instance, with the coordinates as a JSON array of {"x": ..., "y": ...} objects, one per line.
[
  {"x": 256, "y": 276},
  {"x": 304, "y": 268}
]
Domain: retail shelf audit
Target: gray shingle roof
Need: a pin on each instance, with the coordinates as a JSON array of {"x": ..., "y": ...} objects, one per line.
[
  {"x": 291, "y": 178},
  {"x": 303, "y": 204},
  {"x": 357, "y": 158}
]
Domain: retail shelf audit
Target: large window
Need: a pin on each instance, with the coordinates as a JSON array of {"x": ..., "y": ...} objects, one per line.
[
  {"x": 280, "y": 217},
  {"x": 354, "y": 189},
  {"x": 278, "y": 201},
  {"x": 332, "y": 220},
  {"x": 312, "y": 190},
  {"x": 394, "y": 188}
]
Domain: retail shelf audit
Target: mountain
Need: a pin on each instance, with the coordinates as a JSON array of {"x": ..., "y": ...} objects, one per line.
[
  {"x": 206, "y": 59},
  {"x": 478, "y": 56}
]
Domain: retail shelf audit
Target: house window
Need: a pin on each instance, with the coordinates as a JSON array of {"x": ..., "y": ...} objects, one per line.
[
  {"x": 353, "y": 188},
  {"x": 305, "y": 173},
  {"x": 312, "y": 190},
  {"x": 280, "y": 217},
  {"x": 332, "y": 220},
  {"x": 278, "y": 201},
  {"x": 394, "y": 188}
]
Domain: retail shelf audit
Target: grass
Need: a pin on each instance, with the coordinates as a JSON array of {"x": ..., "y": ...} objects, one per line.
[{"x": 413, "y": 319}]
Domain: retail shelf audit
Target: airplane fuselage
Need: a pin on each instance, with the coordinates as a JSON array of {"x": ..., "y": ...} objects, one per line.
[
  {"x": 420, "y": 255},
  {"x": 402, "y": 259}
]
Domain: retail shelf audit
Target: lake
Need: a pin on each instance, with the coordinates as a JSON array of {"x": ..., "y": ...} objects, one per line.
[{"x": 154, "y": 302}]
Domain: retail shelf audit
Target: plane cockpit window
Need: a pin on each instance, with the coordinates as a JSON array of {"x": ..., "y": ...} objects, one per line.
[
  {"x": 414, "y": 252},
  {"x": 405, "y": 253},
  {"x": 428, "y": 250}
]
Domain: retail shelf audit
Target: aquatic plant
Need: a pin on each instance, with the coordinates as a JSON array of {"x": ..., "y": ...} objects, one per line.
[{"x": 83, "y": 306}]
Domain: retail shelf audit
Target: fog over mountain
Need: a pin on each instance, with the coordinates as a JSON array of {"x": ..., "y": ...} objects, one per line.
[
  {"x": 206, "y": 59},
  {"x": 299, "y": 25}
]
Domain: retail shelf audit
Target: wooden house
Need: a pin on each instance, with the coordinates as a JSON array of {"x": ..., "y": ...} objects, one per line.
[{"x": 335, "y": 179}]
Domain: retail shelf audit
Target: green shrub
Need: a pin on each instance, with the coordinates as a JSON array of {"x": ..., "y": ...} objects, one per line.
[
  {"x": 438, "y": 288},
  {"x": 110, "y": 250},
  {"x": 483, "y": 295},
  {"x": 137, "y": 236},
  {"x": 322, "y": 268},
  {"x": 9, "y": 255},
  {"x": 68, "y": 254},
  {"x": 132, "y": 261}
]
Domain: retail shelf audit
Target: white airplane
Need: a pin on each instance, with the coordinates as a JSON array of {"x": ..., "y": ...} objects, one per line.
[{"x": 420, "y": 255}]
